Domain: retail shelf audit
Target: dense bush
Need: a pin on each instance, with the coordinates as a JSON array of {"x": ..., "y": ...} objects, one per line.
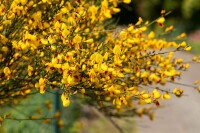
[{"x": 69, "y": 46}]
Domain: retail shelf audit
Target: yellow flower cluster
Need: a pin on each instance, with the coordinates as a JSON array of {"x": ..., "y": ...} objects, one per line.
[{"x": 65, "y": 44}]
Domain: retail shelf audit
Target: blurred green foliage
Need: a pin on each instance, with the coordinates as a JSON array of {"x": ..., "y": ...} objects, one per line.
[
  {"x": 195, "y": 47},
  {"x": 34, "y": 107},
  {"x": 184, "y": 12},
  {"x": 190, "y": 7}
]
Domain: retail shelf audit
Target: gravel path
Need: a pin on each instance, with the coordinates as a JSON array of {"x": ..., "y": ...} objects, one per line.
[{"x": 178, "y": 115}]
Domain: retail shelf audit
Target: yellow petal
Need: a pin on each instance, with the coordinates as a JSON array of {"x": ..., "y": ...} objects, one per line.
[
  {"x": 42, "y": 89},
  {"x": 127, "y": 1},
  {"x": 89, "y": 41},
  {"x": 161, "y": 21},
  {"x": 117, "y": 50},
  {"x": 6, "y": 71},
  {"x": 77, "y": 39},
  {"x": 44, "y": 41},
  {"x": 104, "y": 67},
  {"x": 145, "y": 96},
  {"x": 65, "y": 100},
  {"x": 156, "y": 94},
  {"x": 41, "y": 81},
  {"x": 188, "y": 48},
  {"x": 116, "y": 10},
  {"x": 148, "y": 100},
  {"x": 166, "y": 96},
  {"x": 151, "y": 35}
]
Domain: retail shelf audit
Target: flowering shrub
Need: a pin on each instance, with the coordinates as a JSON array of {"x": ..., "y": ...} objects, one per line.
[{"x": 66, "y": 45}]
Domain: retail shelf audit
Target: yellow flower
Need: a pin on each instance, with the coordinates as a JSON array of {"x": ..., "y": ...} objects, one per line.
[
  {"x": 117, "y": 102},
  {"x": 144, "y": 74},
  {"x": 2, "y": 9},
  {"x": 160, "y": 21},
  {"x": 140, "y": 112},
  {"x": 120, "y": 75},
  {"x": 25, "y": 91},
  {"x": 89, "y": 41},
  {"x": 71, "y": 20},
  {"x": 198, "y": 88},
  {"x": 117, "y": 50},
  {"x": 64, "y": 10},
  {"x": 131, "y": 28},
  {"x": 143, "y": 28},
  {"x": 33, "y": 117},
  {"x": 23, "y": 2},
  {"x": 151, "y": 35},
  {"x": 42, "y": 89},
  {"x": 7, "y": 71},
  {"x": 93, "y": 10},
  {"x": 166, "y": 96},
  {"x": 183, "y": 44},
  {"x": 70, "y": 80},
  {"x": 112, "y": 90},
  {"x": 1, "y": 120},
  {"x": 41, "y": 81},
  {"x": 178, "y": 92},
  {"x": 98, "y": 58},
  {"x": 145, "y": 96},
  {"x": 57, "y": 26},
  {"x": 163, "y": 12},
  {"x": 41, "y": 85},
  {"x": 65, "y": 32},
  {"x": 44, "y": 41},
  {"x": 181, "y": 36},
  {"x": 83, "y": 67},
  {"x": 107, "y": 14},
  {"x": 194, "y": 58},
  {"x": 105, "y": 57},
  {"x": 65, "y": 100},
  {"x": 151, "y": 116},
  {"x": 77, "y": 39},
  {"x": 148, "y": 100},
  {"x": 140, "y": 20},
  {"x": 104, "y": 67},
  {"x": 37, "y": 16},
  {"x": 127, "y": 1},
  {"x": 30, "y": 70},
  {"x": 116, "y": 10},
  {"x": 53, "y": 48},
  {"x": 156, "y": 94},
  {"x": 4, "y": 49},
  {"x": 170, "y": 28},
  {"x": 83, "y": 91},
  {"x": 188, "y": 48}
]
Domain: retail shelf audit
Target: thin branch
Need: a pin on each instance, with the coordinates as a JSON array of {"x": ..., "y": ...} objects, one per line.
[
  {"x": 111, "y": 120},
  {"x": 18, "y": 119},
  {"x": 166, "y": 14},
  {"x": 115, "y": 124},
  {"x": 182, "y": 84}
]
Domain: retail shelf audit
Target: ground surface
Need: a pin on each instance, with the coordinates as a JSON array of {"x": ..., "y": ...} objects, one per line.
[
  {"x": 95, "y": 122},
  {"x": 179, "y": 115}
]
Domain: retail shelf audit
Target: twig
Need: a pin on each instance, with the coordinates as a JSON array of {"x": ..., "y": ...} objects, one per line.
[
  {"x": 111, "y": 120},
  {"x": 183, "y": 84},
  {"x": 17, "y": 119},
  {"x": 115, "y": 124}
]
